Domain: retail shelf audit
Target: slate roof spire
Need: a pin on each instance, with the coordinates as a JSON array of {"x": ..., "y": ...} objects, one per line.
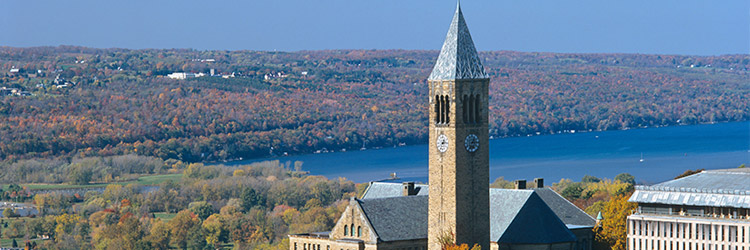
[{"x": 458, "y": 58}]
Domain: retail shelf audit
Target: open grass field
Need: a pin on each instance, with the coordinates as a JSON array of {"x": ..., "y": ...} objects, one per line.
[
  {"x": 9, "y": 242},
  {"x": 165, "y": 216},
  {"x": 143, "y": 180}
]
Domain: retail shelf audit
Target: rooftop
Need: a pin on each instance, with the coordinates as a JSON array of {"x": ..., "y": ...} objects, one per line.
[
  {"x": 458, "y": 57},
  {"x": 714, "y": 188},
  {"x": 521, "y": 216},
  {"x": 397, "y": 218},
  {"x": 566, "y": 211}
]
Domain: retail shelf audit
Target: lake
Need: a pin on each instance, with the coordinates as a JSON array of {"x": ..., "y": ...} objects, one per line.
[{"x": 667, "y": 152}]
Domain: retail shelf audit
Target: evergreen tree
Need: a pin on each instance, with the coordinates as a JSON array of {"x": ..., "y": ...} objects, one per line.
[{"x": 251, "y": 199}]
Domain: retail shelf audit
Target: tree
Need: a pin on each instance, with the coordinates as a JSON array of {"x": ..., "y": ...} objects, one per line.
[
  {"x": 216, "y": 230},
  {"x": 201, "y": 208},
  {"x": 250, "y": 199},
  {"x": 16, "y": 229},
  {"x": 614, "y": 226},
  {"x": 447, "y": 242},
  {"x": 590, "y": 179},
  {"x": 500, "y": 182},
  {"x": 573, "y": 191},
  {"x": 182, "y": 227},
  {"x": 625, "y": 178},
  {"x": 8, "y": 213},
  {"x": 689, "y": 173},
  {"x": 159, "y": 235},
  {"x": 14, "y": 244},
  {"x": 80, "y": 174}
]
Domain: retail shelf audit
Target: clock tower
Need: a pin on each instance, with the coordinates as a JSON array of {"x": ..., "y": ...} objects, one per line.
[{"x": 459, "y": 204}]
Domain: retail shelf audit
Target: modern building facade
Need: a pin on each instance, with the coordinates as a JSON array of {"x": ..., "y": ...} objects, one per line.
[{"x": 705, "y": 211}]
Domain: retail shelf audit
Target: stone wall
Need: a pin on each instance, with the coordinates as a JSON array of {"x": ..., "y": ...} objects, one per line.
[{"x": 459, "y": 197}]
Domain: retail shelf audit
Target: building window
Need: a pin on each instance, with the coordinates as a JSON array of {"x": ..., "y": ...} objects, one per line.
[
  {"x": 346, "y": 230},
  {"x": 477, "y": 105},
  {"x": 447, "y": 110},
  {"x": 437, "y": 110},
  {"x": 442, "y": 109},
  {"x": 359, "y": 231},
  {"x": 471, "y": 108},
  {"x": 464, "y": 109}
]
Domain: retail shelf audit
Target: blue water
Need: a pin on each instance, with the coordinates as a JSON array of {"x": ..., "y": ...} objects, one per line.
[{"x": 667, "y": 152}]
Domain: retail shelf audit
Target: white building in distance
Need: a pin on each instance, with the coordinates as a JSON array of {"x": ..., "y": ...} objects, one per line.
[{"x": 184, "y": 75}]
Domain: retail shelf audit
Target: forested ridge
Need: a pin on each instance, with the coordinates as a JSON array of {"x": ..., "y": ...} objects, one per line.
[{"x": 301, "y": 102}]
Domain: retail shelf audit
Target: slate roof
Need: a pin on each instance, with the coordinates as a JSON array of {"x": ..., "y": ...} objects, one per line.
[
  {"x": 566, "y": 211},
  {"x": 713, "y": 188},
  {"x": 521, "y": 216},
  {"x": 458, "y": 57},
  {"x": 385, "y": 189},
  {"x": 397, "y": 218},
  {"x": 516, "y": 216}
]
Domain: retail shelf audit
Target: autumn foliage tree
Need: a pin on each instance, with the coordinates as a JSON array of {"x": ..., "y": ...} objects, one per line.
[{"x": 613, "y": 231}]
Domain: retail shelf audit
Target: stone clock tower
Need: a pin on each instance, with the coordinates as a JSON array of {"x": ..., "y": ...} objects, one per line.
[{"x": 459, "y": 153}]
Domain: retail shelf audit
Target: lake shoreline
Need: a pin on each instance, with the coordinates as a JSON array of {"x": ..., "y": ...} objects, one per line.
[{"x": 668, "y": 151}]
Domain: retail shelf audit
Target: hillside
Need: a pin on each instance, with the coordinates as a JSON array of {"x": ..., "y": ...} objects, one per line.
[{"x": 119, "y": 101}]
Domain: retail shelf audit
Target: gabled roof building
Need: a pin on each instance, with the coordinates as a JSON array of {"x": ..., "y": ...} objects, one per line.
[
  {"x": 458, "y": 202},
  {"x": 394, "y": 216}
]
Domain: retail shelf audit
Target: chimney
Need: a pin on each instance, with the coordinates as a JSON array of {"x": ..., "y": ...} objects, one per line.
[
  {"x": 520, "y": 184},
  {"x": 538, "y": 183},
  {"x": 408, "y": 189}
]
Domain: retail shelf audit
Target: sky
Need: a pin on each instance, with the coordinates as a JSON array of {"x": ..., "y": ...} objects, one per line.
[{"x": 686, "y": 27}]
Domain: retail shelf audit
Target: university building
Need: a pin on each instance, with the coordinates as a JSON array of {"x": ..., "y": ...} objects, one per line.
[
  {"x": 458, "y": 202},
  {"x": 704, "y": 211}
]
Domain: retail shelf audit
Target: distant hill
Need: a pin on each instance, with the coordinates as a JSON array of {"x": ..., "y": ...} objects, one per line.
[{"x": 119, "y": 101}]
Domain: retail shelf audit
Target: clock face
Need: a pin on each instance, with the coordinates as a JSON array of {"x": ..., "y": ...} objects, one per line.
[
  {"x": 442, "y": 143},
  {"x": 471, "y": 142}
]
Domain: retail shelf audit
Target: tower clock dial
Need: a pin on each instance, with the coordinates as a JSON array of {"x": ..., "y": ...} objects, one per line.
[
  {"x": 471, "y": 142},
  {"x": 442, "y": 143}
]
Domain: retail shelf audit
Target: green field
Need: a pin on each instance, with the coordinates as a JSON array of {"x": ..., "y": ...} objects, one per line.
[
  {"x": 165, "y": 216},
  {"x": 143, "y": 180},
  {"x": 9, "y": 242}
]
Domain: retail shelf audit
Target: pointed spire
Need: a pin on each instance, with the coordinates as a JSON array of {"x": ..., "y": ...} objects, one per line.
[{"x": 458, "y": 58}]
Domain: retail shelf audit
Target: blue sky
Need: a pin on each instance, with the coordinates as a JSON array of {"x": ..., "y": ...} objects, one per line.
[{"x": 689, "y": 27}]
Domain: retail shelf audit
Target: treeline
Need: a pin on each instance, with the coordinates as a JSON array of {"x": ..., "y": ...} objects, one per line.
[
  {"x": 246, "y": 207},
  {"x": 608, "y": 198},
  {"x": 307, "y": 101},
  {"x": 84, "y": 170}
]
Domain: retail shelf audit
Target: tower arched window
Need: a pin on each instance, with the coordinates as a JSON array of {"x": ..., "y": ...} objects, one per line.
[
  {"x": 464, "y": 109},
  {"x": 346, "y": 230},
  {"x": 471, "y": 109},
  {"x": 437, "y": 109},
  {"x": 359, "y": 231},
  {"x": 447, "y": 110},
  {"x": 352, "y": 230},
  {"x": 442, "y": 109},
  {"x": 477, "y": 104}
]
